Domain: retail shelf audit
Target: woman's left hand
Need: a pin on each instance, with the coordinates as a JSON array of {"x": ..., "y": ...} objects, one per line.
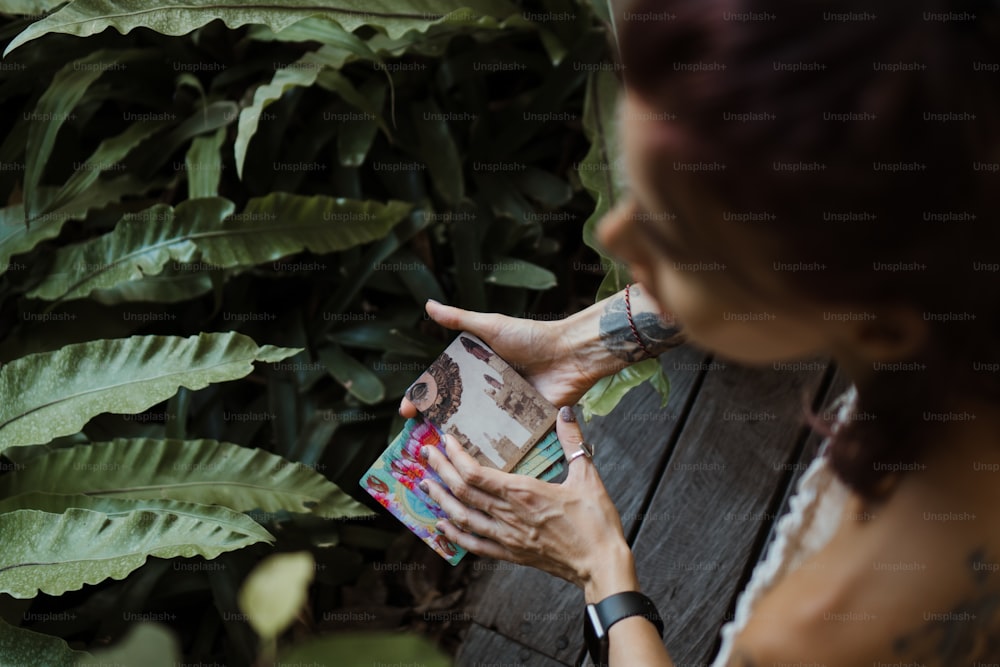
[{"x": 570, "y": 530}]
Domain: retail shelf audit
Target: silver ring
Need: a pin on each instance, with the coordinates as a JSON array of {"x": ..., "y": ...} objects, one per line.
[{"x": 586, "y": 449}]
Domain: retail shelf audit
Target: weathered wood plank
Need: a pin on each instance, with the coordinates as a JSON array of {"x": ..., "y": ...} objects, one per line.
[
  {"x": 716, "y": 498},
  {"x": 485, "y": 648},
  {"x": 633, "y": 442}
]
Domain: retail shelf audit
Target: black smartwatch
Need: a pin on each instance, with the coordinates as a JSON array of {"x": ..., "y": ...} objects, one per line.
[{"x": 599, "y": 618}]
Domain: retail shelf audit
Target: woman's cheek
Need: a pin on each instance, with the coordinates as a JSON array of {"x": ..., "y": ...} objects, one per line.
[
  {"x": 678, "y": 294},
  {"x": 701, "y": 310}
]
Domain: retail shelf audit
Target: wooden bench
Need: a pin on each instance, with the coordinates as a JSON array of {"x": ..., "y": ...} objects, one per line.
[{"x": 698, "y": 485}]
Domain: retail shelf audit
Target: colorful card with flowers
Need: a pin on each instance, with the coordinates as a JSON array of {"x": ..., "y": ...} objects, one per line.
[{"x": 392, "y": 481}]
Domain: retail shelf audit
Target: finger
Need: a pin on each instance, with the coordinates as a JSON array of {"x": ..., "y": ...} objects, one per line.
[
  {"x": 490, "y": 480},
  {"x": 571, "y": 437},
  {"x": 473, "y": 543},
  {"x": 407, "y": 409},
  {"x": 465, "y": 517},
  {"x": 459, "y": 486},
  {"x": 482, "y": 325}
]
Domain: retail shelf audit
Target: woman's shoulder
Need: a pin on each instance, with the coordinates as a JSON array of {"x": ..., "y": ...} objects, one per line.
[
  {"x": 914, "y": 579},
  {"x": 900, "y": 587}
]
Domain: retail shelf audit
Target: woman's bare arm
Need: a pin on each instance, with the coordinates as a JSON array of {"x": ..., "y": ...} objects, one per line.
[{"x": 604, "y": 338}]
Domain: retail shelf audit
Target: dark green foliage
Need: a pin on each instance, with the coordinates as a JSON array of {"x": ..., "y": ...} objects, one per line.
[{"x": 306, "y": 183}]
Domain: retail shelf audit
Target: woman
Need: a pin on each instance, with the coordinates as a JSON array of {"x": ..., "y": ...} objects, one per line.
[{"x": 830, "y": 175}]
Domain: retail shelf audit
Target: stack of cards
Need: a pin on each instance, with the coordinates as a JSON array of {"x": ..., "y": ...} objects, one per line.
[{"x": 494, "y": 413}]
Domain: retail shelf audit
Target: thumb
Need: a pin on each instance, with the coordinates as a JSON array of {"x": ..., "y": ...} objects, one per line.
[
  {"x": 571, "y": 438},
  {"x": 481, "y": 325}
]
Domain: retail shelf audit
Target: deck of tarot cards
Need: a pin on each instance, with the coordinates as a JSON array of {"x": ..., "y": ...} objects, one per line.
[{"x": 496, "y": 415}]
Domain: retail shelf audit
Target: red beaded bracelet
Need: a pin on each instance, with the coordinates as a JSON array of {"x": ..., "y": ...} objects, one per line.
[{"x": 631, "y": 324}]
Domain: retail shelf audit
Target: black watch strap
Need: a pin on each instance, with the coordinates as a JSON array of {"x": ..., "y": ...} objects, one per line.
[{"x": 601, "y": 616}]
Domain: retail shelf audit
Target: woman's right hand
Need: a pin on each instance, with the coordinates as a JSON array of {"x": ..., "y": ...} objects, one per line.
[{"x": 544, "y": 353}]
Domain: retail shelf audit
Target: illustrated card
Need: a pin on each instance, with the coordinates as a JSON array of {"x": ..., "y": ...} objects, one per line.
[
  {"x": 394, "y": 478},
  {"x": 392, "y": 481},
  {"x": 542, "y": 455},
  {"x": 473, "y": 394}
]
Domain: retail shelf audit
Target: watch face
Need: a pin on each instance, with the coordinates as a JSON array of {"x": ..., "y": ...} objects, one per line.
[{"x": 595, "y": 636}]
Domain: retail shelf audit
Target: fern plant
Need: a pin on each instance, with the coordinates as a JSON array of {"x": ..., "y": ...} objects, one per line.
[{"x": 221, "y": 222}]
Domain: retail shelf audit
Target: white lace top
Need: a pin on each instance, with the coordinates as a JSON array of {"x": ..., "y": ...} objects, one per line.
[{"x": 813, "y": 516}]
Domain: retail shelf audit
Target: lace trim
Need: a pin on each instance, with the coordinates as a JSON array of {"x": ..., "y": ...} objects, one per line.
[{"x": 814, "y": 512}]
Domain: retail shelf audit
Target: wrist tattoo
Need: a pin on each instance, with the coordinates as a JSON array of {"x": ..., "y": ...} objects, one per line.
[{"x": 617, "y": 335}]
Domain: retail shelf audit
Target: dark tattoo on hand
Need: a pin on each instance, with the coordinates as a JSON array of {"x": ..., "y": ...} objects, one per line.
[
  {"x": 618, "y": 338},
  {"x": 965, "y": 634}
]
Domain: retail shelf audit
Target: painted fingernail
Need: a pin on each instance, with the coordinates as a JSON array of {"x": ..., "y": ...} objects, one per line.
[
  {"x": 566, "y": 414},
  {"x": 439, "y": 527},
  {"x": 424, "y": 486},
  {"x": 423, "y": 453}
]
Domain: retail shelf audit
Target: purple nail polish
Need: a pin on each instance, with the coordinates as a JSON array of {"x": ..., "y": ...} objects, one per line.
[{"x": 566, "y": 414}]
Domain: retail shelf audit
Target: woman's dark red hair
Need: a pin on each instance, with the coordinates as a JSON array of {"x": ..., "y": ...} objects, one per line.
[{"x": 893, "y": 112}]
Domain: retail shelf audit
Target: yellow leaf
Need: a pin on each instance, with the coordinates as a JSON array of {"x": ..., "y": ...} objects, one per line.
[{"x": 275, "y": 591}]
